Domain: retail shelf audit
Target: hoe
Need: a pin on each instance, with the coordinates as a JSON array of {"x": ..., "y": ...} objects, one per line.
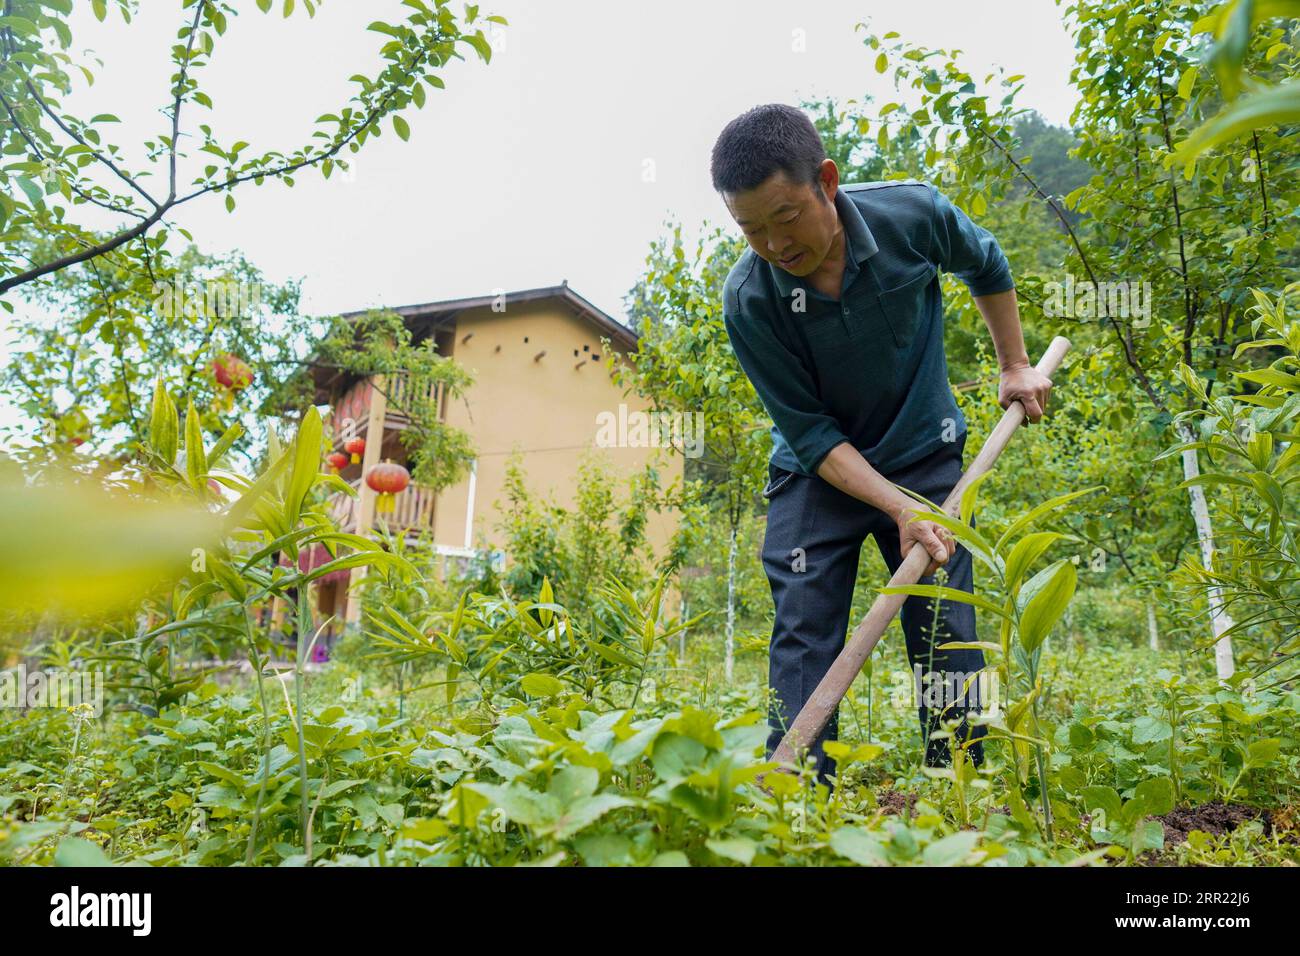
[{"x": 826, "y": 698}]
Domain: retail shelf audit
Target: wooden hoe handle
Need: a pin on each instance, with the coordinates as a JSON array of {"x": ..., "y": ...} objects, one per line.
[{"x": 816, "y": 713}]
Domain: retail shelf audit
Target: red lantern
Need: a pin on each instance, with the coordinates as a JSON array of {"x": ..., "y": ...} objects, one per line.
[
  {"x": 389, "y": 480},
  {"x": 232, "y": 372},
  {"x": 338, "y": 461},
  {"x": 356, "y": 447}
]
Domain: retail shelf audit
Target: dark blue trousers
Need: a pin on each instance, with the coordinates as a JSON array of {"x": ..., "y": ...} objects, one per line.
[{"x": 814, "y": 536}]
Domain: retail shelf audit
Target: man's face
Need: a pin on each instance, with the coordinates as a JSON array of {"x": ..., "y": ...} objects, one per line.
[{"x": 791, "y": 225}]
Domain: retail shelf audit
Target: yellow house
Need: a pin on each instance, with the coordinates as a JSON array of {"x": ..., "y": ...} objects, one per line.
[{"x": 541, "y": 389}]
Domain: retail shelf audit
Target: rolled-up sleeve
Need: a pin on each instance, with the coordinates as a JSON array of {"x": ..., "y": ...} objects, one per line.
[
  {"x": 786, "y": 389},
  {"x": 968, "y": 251}
]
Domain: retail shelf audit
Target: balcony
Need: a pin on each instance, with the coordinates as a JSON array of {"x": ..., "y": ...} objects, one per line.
[
  {"x": 412, "y": 510},
  {"x": 354, "y": 404},
  {"x": 401, "y": 395}
]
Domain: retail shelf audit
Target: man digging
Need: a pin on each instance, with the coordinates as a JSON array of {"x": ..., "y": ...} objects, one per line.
[{"x": 835, "y": 315}]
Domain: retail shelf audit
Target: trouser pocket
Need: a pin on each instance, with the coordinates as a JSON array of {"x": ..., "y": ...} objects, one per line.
[{"x": 778, "y": 479}]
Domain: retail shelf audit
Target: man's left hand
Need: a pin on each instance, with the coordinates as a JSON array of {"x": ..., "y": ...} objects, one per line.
[{"x": 1028, "y": 385}]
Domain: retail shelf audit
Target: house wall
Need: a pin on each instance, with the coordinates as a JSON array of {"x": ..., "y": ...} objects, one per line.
[{"x": 546, "y": 408}]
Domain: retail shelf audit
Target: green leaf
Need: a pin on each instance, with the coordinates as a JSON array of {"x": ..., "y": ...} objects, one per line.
[
  {"x": 738, "y": 849},
  {"x": 361, "y": 559},
  {"x": 1263, "y": 752},
  {"x": 580, "y": 814},
  {"x": 1271, "y": 376},
  {"x": 74, "y": 851},
  {"x": 520, "y": 804},
  {"x": 164, "y": 424},
  {"x": 402, "y": 128},
  {"x": 990, "y": 647},
  {"x": 1103, "y": 798},
  {"x": 1046, "y": 606},
  {"x": 1276, "y": 106},
  {"x": 221, "y": 773},
  {"x": 480, "y": 45},
  {"x": 946, "y": 594},
  {"x": 1027, "y": 550},
  {"x": 859, "y": 845},
  {"x": 545, "y": 597},
  {"x": 573, "y": 783},
  {"x": 951, "y": 850},
  {"x": 1150, "y": 730},
  {"x": 224, "y": 443},
  {"x": 424, "y": 830},
  {"x": 34, "y": 193},
  {"x": 968, "y": 497},
  {"x": 675, "y": 757},
  {"x": 258, "y": 489},
  {"x": 230, "y": 581},
  {"x": 306, "y": 464},
  {"x": 1026, "y": 520},
  {"x": 882, "y": 63},
  {"x": 541, "y": 685},
  {"x": 1153, "y": 797},
  {"x": 196, "y": 465}
]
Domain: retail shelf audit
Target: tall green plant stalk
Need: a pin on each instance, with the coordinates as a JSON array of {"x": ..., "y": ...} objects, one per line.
[
  {"x": 1044, "y": 798},
  {"x": 304, "y": 622},
  {"x": 255, "y": 661}
]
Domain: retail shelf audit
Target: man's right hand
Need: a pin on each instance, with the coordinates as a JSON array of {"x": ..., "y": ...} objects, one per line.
[{"x": 935, "y": 538}]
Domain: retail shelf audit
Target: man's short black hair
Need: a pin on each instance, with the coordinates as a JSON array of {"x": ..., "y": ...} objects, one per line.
[{"x": 763, "y": 140}]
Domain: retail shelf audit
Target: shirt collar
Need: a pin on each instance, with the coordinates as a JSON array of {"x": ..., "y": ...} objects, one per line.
[{"x": 861, "y": 243}]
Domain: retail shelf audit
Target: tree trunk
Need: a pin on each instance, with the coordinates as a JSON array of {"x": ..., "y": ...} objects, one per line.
[
  {"x": 1219, "y": 619},
  {"x": 731, "y": 605},
  {"x": 1151, "y": 626}
]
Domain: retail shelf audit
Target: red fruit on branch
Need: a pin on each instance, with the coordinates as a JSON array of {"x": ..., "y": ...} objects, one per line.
[
  {"x": 232, "y": 372},
  {"x": 356, "y": 447},
  {"x": 73, "y": 427},
  {"x": 389, "y": 479}
]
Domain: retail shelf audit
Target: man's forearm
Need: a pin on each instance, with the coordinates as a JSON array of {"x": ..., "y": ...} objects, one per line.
[
  {"x": 847, "y": 470},
  {"x": 1019, "y": 381},
  {"x": 1002, "y": 316}
]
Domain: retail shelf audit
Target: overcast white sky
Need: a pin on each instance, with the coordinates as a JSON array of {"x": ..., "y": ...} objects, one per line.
[{"x": 529, "y": 170}]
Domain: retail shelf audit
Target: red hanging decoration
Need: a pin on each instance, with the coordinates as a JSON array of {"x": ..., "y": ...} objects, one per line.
[
  {"x": 356, "y": 447},
  {"x": 390, "y": 480},
  {"x": 338, "y": 461}
]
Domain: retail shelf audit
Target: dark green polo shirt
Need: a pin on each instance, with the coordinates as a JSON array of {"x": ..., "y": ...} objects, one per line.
[{"x": 869, "y": 369}]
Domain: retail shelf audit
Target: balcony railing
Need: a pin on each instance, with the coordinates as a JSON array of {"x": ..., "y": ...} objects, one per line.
[
  {"x": 412, "y": 509},
  {"x": 354, "y": 404},
  {"x": 401, "y": 396}
]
